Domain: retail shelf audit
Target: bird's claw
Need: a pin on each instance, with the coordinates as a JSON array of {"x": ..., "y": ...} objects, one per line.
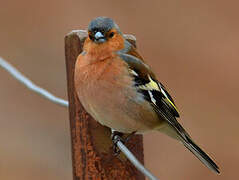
[{"x": 116, "y": 137}]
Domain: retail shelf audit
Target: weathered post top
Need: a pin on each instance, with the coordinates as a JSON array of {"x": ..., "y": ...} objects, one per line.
[{"x": 92, "y": 152}]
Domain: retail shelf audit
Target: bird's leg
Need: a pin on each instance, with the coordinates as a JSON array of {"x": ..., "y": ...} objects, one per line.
[
  {"x": 129, "y": 136},
  {"x": 117, "y": 136}
]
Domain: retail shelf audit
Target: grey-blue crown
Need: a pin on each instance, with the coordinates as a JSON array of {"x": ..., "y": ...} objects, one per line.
[{"x": 102, "y": 24}]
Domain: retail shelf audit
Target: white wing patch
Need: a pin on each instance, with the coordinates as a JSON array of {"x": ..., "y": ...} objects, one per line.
[
  {"x": 161, "y": 89},
  {"x": 155, "y": 86},
  {"x": 152, "y": 97},
  {"x": 167, "y": 98},
  {"x": 133, "y": 72}
]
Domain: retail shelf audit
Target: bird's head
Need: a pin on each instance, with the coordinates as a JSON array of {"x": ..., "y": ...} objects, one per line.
[
  {"x": 102, "y": 29},
  {"x": 104, "y": 32}
]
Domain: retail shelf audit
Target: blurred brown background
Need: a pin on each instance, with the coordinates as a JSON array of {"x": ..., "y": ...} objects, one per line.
[{"x": 191, "y": 45}]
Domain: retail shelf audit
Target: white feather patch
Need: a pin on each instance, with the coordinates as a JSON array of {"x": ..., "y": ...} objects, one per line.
[
  {"x": 152, "y": 97},
  {"x": 133, "y": 72}
]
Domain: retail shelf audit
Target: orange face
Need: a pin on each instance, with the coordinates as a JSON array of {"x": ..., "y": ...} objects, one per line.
[{"x": 109, "y": 41}]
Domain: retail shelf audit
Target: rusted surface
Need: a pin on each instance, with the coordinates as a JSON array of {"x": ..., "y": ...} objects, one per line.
[{"x": 92, "y": 156}]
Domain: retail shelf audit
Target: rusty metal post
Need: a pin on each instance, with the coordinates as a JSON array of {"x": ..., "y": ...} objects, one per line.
[{"x": 92, "y": 154}]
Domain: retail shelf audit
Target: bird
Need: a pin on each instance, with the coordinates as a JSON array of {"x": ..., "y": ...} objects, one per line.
[{"x": 119, "y": 90}]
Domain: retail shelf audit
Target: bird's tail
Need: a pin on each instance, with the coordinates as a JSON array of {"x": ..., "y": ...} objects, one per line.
[
  {"x": 184, "y": 137},
  {"x": 200, "y": 154}
]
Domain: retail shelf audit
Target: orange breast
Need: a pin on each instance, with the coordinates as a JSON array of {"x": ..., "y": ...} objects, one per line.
[{"x": 106, "y": 91}]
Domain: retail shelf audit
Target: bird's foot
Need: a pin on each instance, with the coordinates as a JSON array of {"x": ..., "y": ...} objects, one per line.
[
  {"x": 129, "y": 136},
  {"x": 118, "y": 136}
]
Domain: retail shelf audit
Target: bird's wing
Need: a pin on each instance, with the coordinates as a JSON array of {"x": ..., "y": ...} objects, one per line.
[
  {"x": 155, "y": 93},
  {"x": 146, "y": 83}
]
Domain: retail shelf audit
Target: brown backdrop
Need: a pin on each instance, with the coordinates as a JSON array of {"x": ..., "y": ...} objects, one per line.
[{"x": 191, "y": 45}]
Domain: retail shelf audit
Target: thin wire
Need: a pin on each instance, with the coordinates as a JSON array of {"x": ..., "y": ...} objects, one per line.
[
  {"x": 28, "y": 83},
  {"x": 133, "y": 159}
]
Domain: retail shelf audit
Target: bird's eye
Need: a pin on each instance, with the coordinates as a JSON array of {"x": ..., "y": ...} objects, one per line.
[
  {"x": 111, "y": 34},
  {"x": 91, "y": 37}
]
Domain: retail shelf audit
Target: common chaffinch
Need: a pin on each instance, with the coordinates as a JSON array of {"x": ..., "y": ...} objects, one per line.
[{"x": 119, "y": 90}]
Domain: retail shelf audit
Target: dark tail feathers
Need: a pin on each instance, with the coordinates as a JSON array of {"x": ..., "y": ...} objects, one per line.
[{"x": 200, "y": 154}]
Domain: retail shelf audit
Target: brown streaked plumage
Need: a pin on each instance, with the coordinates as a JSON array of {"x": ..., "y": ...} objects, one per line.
[{"x": 120, "y": 91}]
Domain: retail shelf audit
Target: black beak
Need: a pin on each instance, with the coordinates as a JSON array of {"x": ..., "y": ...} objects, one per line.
[{"x": 99, "y": 37}]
